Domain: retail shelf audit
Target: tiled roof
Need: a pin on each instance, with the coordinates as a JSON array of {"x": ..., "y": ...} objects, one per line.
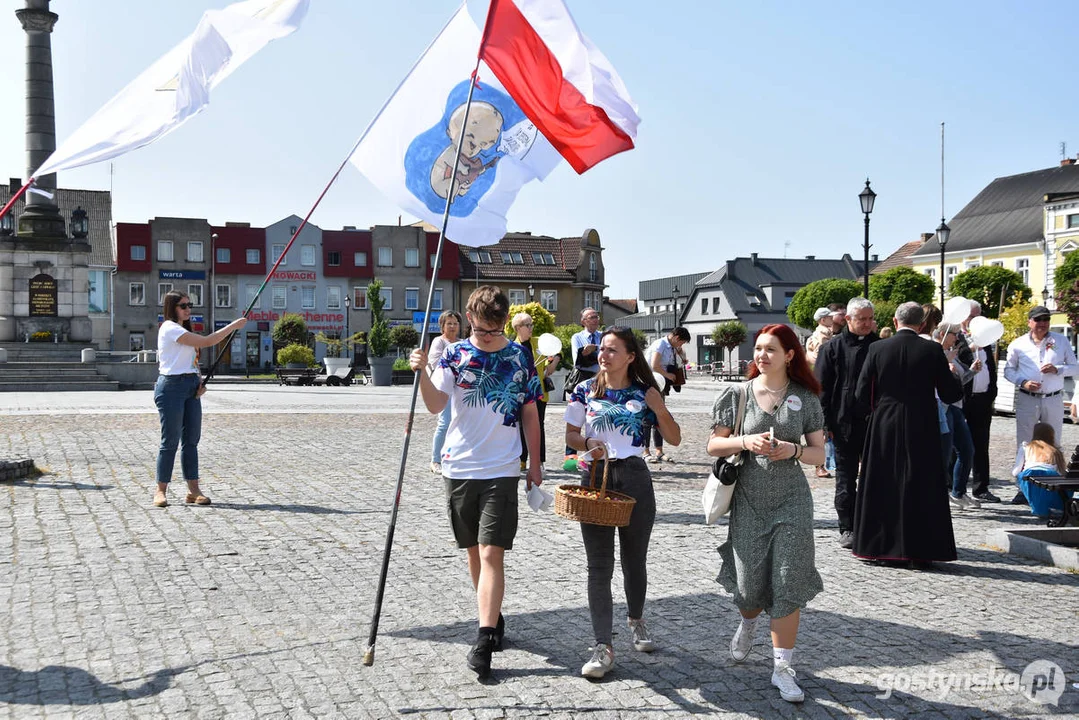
[
  {"x": 901, "y": 257},
  {"x": 660, "y": 288},
  {"x": 98, "y": 207},
  {"x": 1009, "y": 211},
  {"x": 627, "y": 304},
  {"x": 566, "y": 252}
]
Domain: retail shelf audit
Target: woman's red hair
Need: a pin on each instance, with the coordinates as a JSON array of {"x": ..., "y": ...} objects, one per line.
[{"x": 798, "y": 370}]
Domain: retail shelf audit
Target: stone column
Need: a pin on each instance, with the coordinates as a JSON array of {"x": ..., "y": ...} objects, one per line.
[{"x": 41, "y": 218}]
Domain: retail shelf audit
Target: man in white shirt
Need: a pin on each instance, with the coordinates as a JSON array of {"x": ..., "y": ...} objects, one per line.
[
  {"x": 585, "y": 348},
  {"x": 663, "y": 356},
  {"x": 1037, "y": 364}
]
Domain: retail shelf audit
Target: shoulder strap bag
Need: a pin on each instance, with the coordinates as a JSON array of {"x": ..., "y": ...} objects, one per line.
[{"x": 719, "y": 488}]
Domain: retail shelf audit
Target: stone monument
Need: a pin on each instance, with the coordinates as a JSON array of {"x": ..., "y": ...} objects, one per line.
[{"x": 44, "y": 276}]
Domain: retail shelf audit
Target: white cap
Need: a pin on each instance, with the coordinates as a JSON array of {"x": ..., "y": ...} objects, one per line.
[{"x": 821, "y": 312}]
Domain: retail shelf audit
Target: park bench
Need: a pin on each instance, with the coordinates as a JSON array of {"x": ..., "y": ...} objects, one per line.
[
  {"x": 342, "y": 376},
  {"x": 1063, "y": 486},
  {"x": 296, "y": 376}
]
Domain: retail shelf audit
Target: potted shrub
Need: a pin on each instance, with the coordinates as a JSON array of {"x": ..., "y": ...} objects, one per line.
[
  {"x": 296, "y": 356},
  {"x": 402, "y": 372},
  {"x": 335, "y": 348},
  {"x": 378, "y": 340},
  {"x": 404, "y": 338}
]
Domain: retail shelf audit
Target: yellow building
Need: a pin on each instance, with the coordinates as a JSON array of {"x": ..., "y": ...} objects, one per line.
[{"x": 1025, "y": 223}]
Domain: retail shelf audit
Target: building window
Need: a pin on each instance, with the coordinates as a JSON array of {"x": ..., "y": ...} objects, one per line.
[
  {"x": 412, "y": 298},
  {"x": 360, "y": 259},
  {"x": 99, "y": 291},
  {"x": 593, "y": 270},
  {"x": 280, "y": 297},
  {"x": 307, "y": 297},
  {"x": 949, "y": 274},
  {"x": 136, "y": 293},
  {"x": 431, "y": 262},
  {"x": 997, "y": 263},
  {"x": 333, "y": 298},
  {"x": 359, "y": 298},
  {"x": 136, "y": 342},
  {"x": 138, "y": 252},
  {"x": 194, "y": 251},
  {"x": 164, "y": 251},
  {"x": 479, "y": 256},
  {"x": 385, "y": 257},
  {"x": 436, "y": 301},
  {"x": 254, "y": 256},
  {"x": 787, "y": 297},
  {"x": 517, "y": 297},
  {"x": 307, "y": 255},
  {"x": 277, "y": 251},
  {"x": 194, "y": 292},
  {"x": 542, "y": 258},
  {"x": 971, "y": 264},
  {"x": 1073, "y": 221},
  {"x": 254, "y": 301},
  {"x": 931, "y": 273},
  {"x": 715, "y": 305},
  {"x": 412, "y": 257},
  {"x": 223, "y": 296},
  {"x": 291, "y": 230},
  {"x": 224, "y": 255},
  {"x": 162, "y": 290},
  {"x": 549, "y": 300},
  {"x": 387, "y": 298},
  {"x": 1022, "y": 266},
  {"x": 512, "y": 258},
  {"x": 333, "y": 259},
  {"x": 704, "y": 306}
]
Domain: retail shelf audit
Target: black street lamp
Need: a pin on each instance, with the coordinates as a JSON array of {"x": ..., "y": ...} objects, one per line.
[
  {"x": 531, "y": 292},
  {"x": 942, "y": 239},
  {"x": 212, "y": 292},
  {"x": 348, "y": 332},
  {"x": 7, "y": 224},
  {"x": 674, "y": 299},
  {"x": 1045, "y": 296},
  {"x": 867, "y": 197},
  {"x": 80, "y": 225}
]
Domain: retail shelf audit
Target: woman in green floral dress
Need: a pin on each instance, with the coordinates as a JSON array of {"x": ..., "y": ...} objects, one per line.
[{"x": 767, "y": 559}]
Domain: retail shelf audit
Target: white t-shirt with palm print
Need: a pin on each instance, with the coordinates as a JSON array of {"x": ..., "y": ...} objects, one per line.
[{"x": 617, "y": 419}]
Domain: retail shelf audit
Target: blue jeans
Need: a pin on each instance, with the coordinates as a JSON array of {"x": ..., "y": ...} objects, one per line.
[
  {"x": 440, "y": 433},
  {"x": 964, "y": 450},
  {"x": 181, "y": 424}
]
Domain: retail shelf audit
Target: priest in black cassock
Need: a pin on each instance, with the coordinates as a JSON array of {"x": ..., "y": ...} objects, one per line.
[{"x": 902, "y": 512}]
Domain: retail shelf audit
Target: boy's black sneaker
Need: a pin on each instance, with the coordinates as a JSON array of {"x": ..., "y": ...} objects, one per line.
[
  {"x": 986, "y": 497},
  {"x": 500, "y": 633},
  {"x": 479, "y": 657}
]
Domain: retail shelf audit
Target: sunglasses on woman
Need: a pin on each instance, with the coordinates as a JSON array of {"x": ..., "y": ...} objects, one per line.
[{"x": 184, "y": 306}]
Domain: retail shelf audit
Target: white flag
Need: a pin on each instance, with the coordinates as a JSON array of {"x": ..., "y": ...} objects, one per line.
[
  {"x": 409, "y": 150},
  {"x": 178, "y": 85}
]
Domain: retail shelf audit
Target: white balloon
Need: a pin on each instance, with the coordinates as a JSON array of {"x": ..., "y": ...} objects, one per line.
[
  {"x": 985, "y": 331},
  {"x": 957, "y": 310},
  {"x": 549, "y": 344},
  {"x": 659, "y": 379}
]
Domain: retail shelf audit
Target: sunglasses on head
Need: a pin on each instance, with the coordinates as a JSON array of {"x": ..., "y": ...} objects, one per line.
[{"x": 184, "y": 306}]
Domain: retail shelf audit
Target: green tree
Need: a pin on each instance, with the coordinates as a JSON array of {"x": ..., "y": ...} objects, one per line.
[
  {"x": 988, "y": 284},
  {"x": 1068, "y": 302},
  {"x": 291, "y": 329},
  {"x": 883, "y": 311},
  {"x": 1066, "y": 274},
  {"x": 542, "y": 319},
  {"x": 730, "y": 335},
  {"x": 565, "y": 333},
  {"x": 641, "y": 338},
  {"x": 820, "y": 294},
  {"x": 899, "y": 285},
  {"x": 378, "y": 340},
  {"x": 404, "y": 337},
  {"x": 1014, "y": 317}
]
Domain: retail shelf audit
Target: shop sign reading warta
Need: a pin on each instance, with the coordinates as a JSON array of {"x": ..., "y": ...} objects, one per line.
[{"x": 294, "y": 275}]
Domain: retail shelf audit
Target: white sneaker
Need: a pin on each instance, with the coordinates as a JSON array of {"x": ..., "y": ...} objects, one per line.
[
  {"x": 602, "y": 661},
  {"x": 783, "y": 678},
  {"x": 742, "y": 642},
  {"x": 964, "y": 501},
  {"x": 641, "y": 640}
]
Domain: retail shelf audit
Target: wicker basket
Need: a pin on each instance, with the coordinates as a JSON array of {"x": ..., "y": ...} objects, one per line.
[{"x": 594, "y": 506}]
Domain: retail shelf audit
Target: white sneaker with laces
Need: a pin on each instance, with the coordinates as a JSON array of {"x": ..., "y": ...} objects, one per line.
[
  {"x": 601, "y": 662},
  {"x": 642, "y": 642},
  {"x": 783, "y": 678},
  {"x": 742, "y": 642}
]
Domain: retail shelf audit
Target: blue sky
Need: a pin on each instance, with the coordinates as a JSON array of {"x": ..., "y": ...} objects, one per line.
[{"x": 760, "y": 121}]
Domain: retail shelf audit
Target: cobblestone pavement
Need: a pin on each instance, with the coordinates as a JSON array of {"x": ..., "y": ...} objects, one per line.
[{"x": 259, "y": 606}]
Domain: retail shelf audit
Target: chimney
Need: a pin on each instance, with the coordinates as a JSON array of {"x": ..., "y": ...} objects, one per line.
[
  {"x": 753, "y": 258},
  {"x": 1067, "y": 161},
  {"x": 874, "y": 258},
  {"x": 14, "y": 184},
  {"x": 811, "y": 257}
]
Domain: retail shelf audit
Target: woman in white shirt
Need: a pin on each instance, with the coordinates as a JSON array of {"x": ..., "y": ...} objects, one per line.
[{"x": 177, "y": 392}]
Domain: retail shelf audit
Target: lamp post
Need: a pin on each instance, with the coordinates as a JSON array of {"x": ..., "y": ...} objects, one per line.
[
  {"x": 212, "y": 292},
  {"x": 7, "y": 224},
  {"x": 942, "y": 239},
  {"x": 867, "y": 197},
  {"x": 1045, "y": 296},
  {"x": 80, "y": 224},
  {"x": 348, "y": 333},
  {"x": 531, "y": 292},
  {"x": 674, "y": 299}
]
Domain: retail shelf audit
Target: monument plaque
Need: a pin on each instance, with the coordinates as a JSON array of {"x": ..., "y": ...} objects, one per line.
[{"x": 43, "y": 296}]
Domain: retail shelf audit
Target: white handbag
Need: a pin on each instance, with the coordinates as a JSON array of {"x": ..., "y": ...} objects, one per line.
[{"x": 716, "y": 499}]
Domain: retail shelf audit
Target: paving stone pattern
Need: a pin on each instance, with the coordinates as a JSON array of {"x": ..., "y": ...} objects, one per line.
[{"x": 259, "y": 605}]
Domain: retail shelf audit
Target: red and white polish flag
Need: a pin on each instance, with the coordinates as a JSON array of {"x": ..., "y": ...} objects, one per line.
[{"x": 561, "y": 81}]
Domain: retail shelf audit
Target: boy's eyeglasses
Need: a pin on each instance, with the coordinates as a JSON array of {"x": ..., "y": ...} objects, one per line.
[
  {"x": 488, "y": 333},
  {"x": 184, "y": 306}
]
